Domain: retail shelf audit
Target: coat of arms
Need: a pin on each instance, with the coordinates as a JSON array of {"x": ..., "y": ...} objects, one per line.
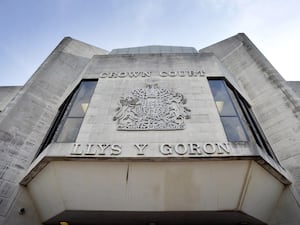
[{"x": 152, "y": 108}]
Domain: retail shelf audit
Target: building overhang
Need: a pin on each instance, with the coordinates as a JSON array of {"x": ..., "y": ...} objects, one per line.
[
  {"x": 156, "y": 152},
  {"x": 233, "y": 184}
]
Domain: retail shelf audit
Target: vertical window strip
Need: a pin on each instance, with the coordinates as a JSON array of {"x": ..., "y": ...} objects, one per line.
[
  {"x": 231, "y": 121},
  {"x": 256, "y": 130},
  {"x": 63, "y": 114},
  {"x": 68, "y": 129},
  {"x": 246, "y": 117}
]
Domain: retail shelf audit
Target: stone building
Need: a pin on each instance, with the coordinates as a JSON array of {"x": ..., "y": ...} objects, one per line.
[{"x": 152, "y": 135}]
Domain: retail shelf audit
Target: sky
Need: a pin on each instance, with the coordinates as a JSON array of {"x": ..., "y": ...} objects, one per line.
[{"x": 31, "y": 29}]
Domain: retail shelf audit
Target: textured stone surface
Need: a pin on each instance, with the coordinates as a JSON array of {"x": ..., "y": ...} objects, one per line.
[
  {"x": 197, "y": 186},
  {"x": 275, "y": 105},
  {"x": 98, "y": 125},
  {"x": 295, "y": 85},
  {"x": 156, "y": 49},
  {"x": 28, "y": 116},
  {"x": 7, "y": 94}
]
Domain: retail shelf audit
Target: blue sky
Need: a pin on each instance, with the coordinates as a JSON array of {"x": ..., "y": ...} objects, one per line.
[{"x": 31, "y": 29}]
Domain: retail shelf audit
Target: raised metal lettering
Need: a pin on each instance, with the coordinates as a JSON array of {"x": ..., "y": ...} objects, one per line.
[
  {"x": 183, "y": 148},
  {"x": 90, "y": 150},
  {"x": 122, "y": 74},
  {"x": 146, "y": 74},
  {"x": 209, "y": 148},
  {"x": 116, "y": 149},
  {"x": 223, "y": 148},
  {"x": 195, "y": 149},
  {"x": 141, "y": 148},
  {"x": 165, "y": 149},
  {"x": 102, "y": 148},
  {"x": 76, "y": 150}
]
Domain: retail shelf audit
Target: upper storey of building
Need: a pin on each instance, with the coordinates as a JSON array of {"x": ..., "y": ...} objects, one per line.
[
  {"x": 154, "y": 49},
  {"x": 142, "y": 113}
]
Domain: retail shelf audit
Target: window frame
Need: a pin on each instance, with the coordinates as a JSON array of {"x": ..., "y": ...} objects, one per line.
[
  {"x": 236, "y": 111},
  {"x": 251, "y": 126},
  {"x": 62, "y": 115}
]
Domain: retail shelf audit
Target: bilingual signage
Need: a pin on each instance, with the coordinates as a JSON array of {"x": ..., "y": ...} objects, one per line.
[{"x": 155, "y": 150}]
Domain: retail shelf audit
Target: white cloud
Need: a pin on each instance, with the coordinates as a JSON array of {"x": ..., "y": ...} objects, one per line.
[{"x": 273, "y": 26}]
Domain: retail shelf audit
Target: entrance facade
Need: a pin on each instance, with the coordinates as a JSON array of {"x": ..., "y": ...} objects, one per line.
[{"x": 153, "y": 135}]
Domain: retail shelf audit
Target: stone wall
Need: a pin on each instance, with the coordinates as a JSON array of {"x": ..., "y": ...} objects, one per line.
[
  {"x": 275, "y": 105},
  {"x": 28, "y": 116}
]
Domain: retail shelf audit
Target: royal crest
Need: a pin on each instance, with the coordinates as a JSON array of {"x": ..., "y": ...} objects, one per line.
[{"x": 152, "y": 108}]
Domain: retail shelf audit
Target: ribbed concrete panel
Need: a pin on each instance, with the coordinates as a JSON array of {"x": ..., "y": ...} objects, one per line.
[{"x": 153, "y": 49}]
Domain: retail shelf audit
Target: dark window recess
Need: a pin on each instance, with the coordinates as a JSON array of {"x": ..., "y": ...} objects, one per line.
[
  {"x": 231, "y": 121},
  {"x": 69, "y": 118},
  {"x": 237, "y": 117},
  {"x": 68, "y": 128}
]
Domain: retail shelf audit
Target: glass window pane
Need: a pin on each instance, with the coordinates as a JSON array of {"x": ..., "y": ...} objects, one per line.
[
  {"x": 70, "y": 129},
  {"x": 233, "y": 129},
  {"x": 82, "y": 99},
  {"x": 222, "y": 98}
]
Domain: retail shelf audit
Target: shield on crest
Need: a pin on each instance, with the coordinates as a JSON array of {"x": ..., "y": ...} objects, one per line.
[{"x": 152, "y": 108}]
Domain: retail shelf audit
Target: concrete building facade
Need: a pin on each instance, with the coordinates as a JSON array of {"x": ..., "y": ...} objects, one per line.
[{"x": 151, "y": 135}]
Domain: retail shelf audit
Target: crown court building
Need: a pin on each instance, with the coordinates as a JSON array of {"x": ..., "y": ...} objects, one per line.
[{"x": 154, "y": 135}]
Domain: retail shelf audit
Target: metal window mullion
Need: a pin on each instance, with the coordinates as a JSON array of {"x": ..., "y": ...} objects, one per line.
[
  {"x": 235, "y": 109},
  {"x": 252, "y": 126},
  {"x": 265, "y": 142}
]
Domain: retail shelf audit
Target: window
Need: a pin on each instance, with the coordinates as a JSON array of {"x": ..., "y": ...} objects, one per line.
[
  {"x": 227, "y": 111},
  {"x": 70, "y": 115},
  {"x": 237, "y": 117},
  {"x": 69, "y": 127}
]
